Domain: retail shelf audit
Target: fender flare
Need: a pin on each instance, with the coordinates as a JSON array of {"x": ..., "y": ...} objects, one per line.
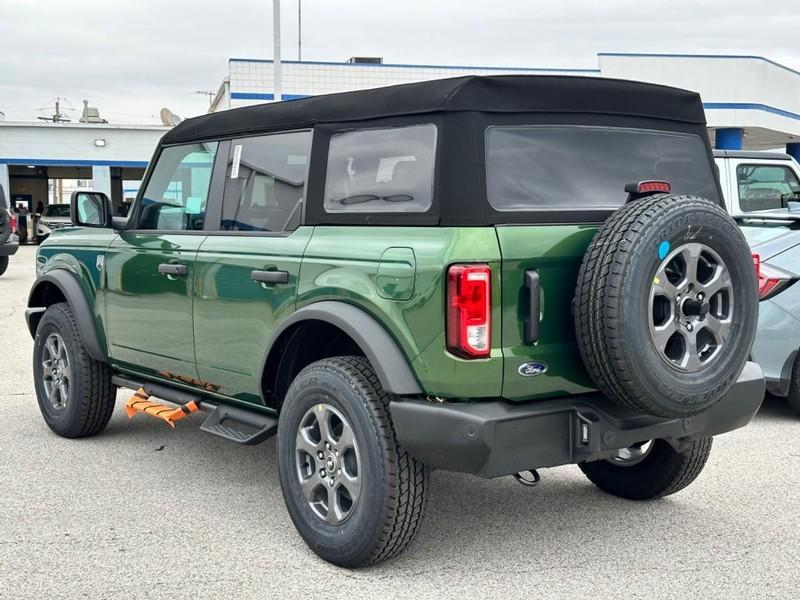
[
  {"x": 71, "y": 289},
  {"x": 383, "y": 353}
]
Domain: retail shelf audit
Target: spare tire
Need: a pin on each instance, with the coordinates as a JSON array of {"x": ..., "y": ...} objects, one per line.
[
  {"x": 5, "y": 225},
  {"x": 666, "y": 305}
]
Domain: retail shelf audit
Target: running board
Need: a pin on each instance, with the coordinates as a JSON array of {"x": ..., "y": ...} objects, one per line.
[{"x": 229, "y": 422}]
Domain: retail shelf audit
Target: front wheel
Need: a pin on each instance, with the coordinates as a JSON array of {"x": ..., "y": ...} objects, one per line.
[
  {"x": 354, "y": 496},
  {"x": 649, "y": 470},
  {"x": 74, "y": 391}
]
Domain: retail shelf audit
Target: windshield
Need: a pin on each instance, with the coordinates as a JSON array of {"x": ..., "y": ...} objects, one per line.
[
  {"x": 562, "y": 167},
  {"x": 56, "y": 210}
]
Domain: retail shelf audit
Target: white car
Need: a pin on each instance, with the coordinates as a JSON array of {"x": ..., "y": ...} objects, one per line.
[
  {"x": 753, "y": 180},
  {"x": 55, "y": 216}
]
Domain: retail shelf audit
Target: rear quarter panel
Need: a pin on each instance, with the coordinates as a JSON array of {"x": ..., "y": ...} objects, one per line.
[{"x": 345, "y": 263}]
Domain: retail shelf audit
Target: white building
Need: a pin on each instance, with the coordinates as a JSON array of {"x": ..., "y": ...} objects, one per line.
[
  {"x": 33, "y": 154},
  {"x": 750, "y": 101}
]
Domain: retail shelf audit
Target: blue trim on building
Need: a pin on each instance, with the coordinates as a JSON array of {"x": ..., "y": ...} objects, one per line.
[
  {"x": 728, "y": 138},
  {"x": 260, "y": 96},
  {"x": 750, "y": 106},
  {"x": 793, "y": 150},
  {"x": 411, "y": 66},
  {"x": 71, "y": 162},
  {"x": 724, "y": 56}
]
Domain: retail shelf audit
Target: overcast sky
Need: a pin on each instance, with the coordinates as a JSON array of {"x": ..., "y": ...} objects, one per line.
[{"x": 130, "y": 58}]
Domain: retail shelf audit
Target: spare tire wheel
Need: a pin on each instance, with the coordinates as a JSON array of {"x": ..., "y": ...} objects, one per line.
[{"x": 666, "y": 305}]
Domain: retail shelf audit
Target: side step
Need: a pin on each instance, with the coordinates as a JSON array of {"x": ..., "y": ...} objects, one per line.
[{"x": 229, "y": 422}]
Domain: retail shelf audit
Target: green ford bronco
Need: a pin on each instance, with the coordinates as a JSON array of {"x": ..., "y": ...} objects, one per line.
[{"x": 482, "y": 274}]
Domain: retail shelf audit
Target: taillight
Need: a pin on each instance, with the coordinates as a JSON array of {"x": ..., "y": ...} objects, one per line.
[
  {"x": 469, "y": 304},
  {"x": 13, "y": 224},
  {"x": 771, "y": 280}
]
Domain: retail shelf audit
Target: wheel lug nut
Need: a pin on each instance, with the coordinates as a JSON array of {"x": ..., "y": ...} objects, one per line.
[
  {"x": 322, "y": 473},
  {"x": 330, "y": 482},
  {"x": 689, "y": 327},
  {"x": 320, "y": 455}
]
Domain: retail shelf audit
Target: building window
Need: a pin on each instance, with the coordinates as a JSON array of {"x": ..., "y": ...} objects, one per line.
[{"x": 381, "y": 170}]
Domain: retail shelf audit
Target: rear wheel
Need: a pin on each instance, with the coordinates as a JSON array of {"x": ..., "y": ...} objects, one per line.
[
  {"x": 794, "y": 386},
  {"x": 74, "y": 391},
  {"x": 354, "y": 496},
  {"x": 649, "y": 470},
  {"x": 3, "y": 264}
]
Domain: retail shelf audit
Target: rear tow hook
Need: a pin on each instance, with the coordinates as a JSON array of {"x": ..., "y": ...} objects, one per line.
[{"x": 528, "y": 478}]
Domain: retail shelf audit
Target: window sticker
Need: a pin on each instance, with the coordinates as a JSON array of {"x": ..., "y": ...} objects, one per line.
[{"x": 237, "y": 158}]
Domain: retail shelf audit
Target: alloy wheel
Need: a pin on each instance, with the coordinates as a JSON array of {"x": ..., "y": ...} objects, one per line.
[{"x": 328, "y": 464}]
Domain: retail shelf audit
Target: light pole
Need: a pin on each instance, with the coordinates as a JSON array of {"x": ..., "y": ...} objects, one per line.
[{"x": 276, "y": 37}]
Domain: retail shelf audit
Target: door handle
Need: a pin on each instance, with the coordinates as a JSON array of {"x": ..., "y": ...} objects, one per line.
[
  {"x": 270, "y": 276},
  {"x": 532, "y": 322},
  {"x": 172, "y": 269}
]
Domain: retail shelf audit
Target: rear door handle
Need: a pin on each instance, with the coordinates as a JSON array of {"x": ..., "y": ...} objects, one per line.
[
  {"x": 172, "y": 269},
  {"x": 532, "y": 322},
  {"x": 270, "y": 276}
]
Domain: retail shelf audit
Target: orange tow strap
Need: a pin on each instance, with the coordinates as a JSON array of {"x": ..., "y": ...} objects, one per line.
[{"x": 140, "y": 403}]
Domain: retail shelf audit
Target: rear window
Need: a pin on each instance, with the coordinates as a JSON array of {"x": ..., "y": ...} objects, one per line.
[
  {"x": 563, "y": 167},
  {"x": 381, "y": 170}
]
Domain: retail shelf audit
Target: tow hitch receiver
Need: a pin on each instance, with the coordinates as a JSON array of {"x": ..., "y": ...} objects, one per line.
[{"x": 140, "y": 403}]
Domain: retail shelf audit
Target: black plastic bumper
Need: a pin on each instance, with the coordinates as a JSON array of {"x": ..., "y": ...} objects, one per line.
[
  {"x": 497, "y": 438},
  {"x": 8, "y": 248}
]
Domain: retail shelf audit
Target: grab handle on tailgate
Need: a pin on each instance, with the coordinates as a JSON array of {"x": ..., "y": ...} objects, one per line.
[{"x": 532, "y": 322}]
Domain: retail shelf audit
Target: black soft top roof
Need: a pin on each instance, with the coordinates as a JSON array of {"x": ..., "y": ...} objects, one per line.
[{"x": 492, "y": 94}]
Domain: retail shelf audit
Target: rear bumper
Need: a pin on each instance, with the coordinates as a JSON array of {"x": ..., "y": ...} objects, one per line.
[
  {"x": 9, "y": 247},
  {"x": 497, "y": 438}
]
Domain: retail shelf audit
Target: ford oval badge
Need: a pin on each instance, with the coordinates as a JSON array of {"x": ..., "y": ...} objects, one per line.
[{"x": 532, "y": 369}]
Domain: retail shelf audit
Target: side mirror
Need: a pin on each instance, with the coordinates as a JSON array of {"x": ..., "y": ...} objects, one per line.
[{"x": 90, "y": 209}]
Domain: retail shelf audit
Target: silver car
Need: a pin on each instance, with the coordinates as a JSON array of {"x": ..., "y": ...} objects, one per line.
[{"x": 774, "y": 237}]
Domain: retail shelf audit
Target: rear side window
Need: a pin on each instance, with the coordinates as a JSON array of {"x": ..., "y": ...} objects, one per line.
[
  {"x": 579, "y": 167},
  {"x": 381, "y": 170},
  {"x": 766, "y": 186},
  {"x": 177, "y": 190},
  {"x": 265, "y": 182}
]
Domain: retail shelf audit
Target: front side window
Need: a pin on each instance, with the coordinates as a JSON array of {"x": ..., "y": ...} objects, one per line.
[
  {"x": 177, "y": 192},
  {"x": 265, "y": 182},
  {"x": 563, "y": 167},
  {"x": 381, "y": 170},
  {"x": 762, "y": 187}
]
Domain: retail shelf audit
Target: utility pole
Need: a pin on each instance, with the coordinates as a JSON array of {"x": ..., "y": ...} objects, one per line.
[
  {"x": 276, "y": 37},
  {"x": 299, "y": 30}
]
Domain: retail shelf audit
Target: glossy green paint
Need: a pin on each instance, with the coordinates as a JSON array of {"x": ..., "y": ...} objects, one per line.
[
  {"x": 555, "y": 252},
  {"x": 77, "y": 250},
  {"x": 149, "y": 321},
  {"x": 234, "y": 317},
  {"x": 396, "y": 271},
  {"x": 211, "y": 327},
  {"x": 343, "y": 263}
]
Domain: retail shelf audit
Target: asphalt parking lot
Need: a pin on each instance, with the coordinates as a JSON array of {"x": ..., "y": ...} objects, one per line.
[{"x": 143, "y": 511}]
